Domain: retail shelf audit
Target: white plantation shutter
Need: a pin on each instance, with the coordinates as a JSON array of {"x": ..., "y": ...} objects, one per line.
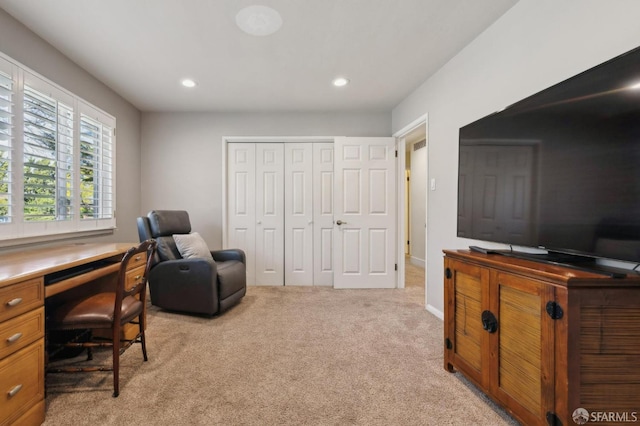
[
  {"x": 47, "y": 158},
  {"x": 96, "y": 165},
  {"x": 57, "y": 159},
  {"x": 7, "y": 96}
]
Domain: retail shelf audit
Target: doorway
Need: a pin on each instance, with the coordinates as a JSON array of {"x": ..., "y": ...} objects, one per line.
[
  {"x": 416, "y": 217},
  {"x": 412, "y": 192}
]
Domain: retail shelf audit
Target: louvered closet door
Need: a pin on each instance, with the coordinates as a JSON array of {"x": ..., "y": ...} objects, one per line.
[
  {"x": 298, "y": 219},
  {"x": 241, "y": 204},
  {"x": 269, "y": 190}
]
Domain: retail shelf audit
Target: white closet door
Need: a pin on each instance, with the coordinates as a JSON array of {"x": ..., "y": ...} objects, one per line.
[
  {"x": 269, "y": 190},
  {"x": 365, "y": 213},
  {"x": 241, "y": 202},
  {"x": 323, "y": 213},
  {"x": 298, "y": 216}
]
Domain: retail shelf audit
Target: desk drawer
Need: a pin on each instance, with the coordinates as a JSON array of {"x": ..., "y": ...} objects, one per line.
[
  {"x": 138, "y": 259},
  {"x": 21, "y": 381},
  {"x": 134, "y": 276},
  {"x": 20, "y": 331},
  {"x": 22, "y": 297}
]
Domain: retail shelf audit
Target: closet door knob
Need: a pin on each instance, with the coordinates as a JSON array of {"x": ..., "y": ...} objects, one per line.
[{"x": 339, "y": 222}]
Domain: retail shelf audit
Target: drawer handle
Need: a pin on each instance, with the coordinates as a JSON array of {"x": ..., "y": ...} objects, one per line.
[
  {"x": 138, "y": 277},
  {"x": 15, "y": 302},
  {"x": 14, "y": 338},
  {"x": 15, "y": 390},
  {"x": 138, "y": 257}
]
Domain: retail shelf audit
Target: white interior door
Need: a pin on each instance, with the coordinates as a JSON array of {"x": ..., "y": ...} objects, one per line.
[
  {"x": 323, "y": 214},
  {"x": 298, "y": 217},
  {"x": 365, "y": 213},
  {"x": 241, "y": 202},
  {"x": 269, "y": 190}
]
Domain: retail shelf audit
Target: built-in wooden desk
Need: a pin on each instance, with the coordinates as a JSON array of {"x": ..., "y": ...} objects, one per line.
[{"x": 26, "y": 278}]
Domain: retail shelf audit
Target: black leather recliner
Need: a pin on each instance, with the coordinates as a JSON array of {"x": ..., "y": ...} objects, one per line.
[{"x": 192, "y": 285}]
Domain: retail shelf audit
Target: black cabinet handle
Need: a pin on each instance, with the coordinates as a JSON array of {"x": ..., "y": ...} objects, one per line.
[{"x": 489, "y": 322}]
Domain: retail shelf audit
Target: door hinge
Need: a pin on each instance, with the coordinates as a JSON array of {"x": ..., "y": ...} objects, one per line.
[
  {"x": 554, "y": 310},
  {"x": 408, "y": 242},
  {"x": 396, "y": 153},
  {"x": 396, "y": 266}
]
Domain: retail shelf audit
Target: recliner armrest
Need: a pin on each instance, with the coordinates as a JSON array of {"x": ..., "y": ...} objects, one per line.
[{"x": 229, "y": 254}]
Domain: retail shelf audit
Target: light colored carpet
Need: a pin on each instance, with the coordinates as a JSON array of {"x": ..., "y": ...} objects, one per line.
[{"x": 284, "y": 356}]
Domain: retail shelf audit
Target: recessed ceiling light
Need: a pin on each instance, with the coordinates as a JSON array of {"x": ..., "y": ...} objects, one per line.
[
  {"x": 187, "y": 82},
  {"x": 340, "y": 81},
  {"x": 259, "y": 20}
]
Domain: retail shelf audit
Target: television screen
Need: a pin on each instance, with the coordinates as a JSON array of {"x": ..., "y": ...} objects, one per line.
[{"x": 559, "y": 170}]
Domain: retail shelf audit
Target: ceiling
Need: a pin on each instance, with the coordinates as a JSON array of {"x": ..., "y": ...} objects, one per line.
[{"x": 142, "y": 49}]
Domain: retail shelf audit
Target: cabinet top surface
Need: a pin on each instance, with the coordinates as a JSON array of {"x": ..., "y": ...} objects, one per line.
[
  {"x": 562, "y": 275},
  {"x": 31, "y": 263}
]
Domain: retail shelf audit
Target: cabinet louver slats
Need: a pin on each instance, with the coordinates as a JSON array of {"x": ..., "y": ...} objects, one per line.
[
  {"x": 468, "y": 332},
  {"x": 519, "y": 349},
  {"x": 610, "y": 340}
]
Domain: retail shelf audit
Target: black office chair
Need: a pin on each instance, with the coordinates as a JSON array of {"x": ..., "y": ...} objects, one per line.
[{"x": 109, "y": 311}]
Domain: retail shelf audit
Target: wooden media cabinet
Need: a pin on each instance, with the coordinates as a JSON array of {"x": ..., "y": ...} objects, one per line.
[{"x": 542, "y": 340}]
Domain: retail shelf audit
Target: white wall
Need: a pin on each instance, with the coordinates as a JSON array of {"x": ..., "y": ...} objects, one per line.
[
  {"x": 534, "y": 45},
  {"x": 418, "y": 205},
  {"x": 181, "y": 154},
  {"x": 18, "y": 42}
]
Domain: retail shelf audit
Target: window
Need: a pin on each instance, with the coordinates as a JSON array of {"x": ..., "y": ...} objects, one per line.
[
  {"x": 96, "y": 168},
  {"x": 47, "y": 158},
  {"x": 6, "y": 123},
  {"x": 57, "y": 159}
]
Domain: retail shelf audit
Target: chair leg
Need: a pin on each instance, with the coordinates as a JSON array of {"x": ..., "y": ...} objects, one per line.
[
  {"x": 143, "y": 341},
  {"x": 116, "y": 364}
]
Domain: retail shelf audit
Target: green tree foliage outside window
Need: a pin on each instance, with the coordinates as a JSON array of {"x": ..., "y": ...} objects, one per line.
[
  {"x": 4, "y": 188},
  {"x": 48, "y": 158}
]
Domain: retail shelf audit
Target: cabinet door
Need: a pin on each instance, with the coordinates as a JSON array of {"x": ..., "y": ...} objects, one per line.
[
  {"x": 523, "y": 347},
  {"x": 466, "y": 342}
]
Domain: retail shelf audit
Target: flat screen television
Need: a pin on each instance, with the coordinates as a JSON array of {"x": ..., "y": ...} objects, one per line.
[{"x": 559, "y": 170}]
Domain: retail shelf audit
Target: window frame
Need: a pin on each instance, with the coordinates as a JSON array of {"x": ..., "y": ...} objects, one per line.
[{"x": 18, "y": 231}]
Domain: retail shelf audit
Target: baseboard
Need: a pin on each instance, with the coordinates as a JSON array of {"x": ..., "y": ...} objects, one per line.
[
  {"x": 418, "y": 262},
  {"x": 438, "y": 313}
]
